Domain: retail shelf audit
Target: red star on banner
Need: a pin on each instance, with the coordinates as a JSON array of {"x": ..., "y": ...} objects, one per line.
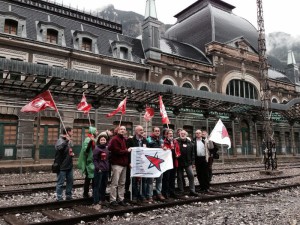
[{"x": 154, "y": 161}]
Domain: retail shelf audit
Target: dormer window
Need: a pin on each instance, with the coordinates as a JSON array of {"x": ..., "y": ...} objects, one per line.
[
  {"x": 12, "y": 24},
  {"x": 123, "y": 53},
  {"x": 86, "y": 44},
  {"x": 50, "y": 32},
  {"x": 52, "y": 36},
  {"x": 11, "y": 27},
  {"x": 121, "y": 50},
  {"x": 85, "y": 41}
]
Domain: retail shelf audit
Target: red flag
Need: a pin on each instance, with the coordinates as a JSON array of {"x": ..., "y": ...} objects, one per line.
[
  {"x": 121, "y": 107},
  {"x": 163, "y": 112},
  {"x": 83, "y": 105},
  {"x": 149, "y": 114},
  {"x": 40, "y": 102}
]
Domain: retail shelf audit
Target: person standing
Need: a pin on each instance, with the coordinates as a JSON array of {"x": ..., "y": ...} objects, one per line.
[
  {"x": 141, "y": 187},
  {"x": 212, "y": 153},
  {"x": 155, "y": 141},
  {"x": 85, "y": 160},
  {"x": 100, "y": 158},
  {"x": 201, "y": 149},
  {"x": 185, "y": 162},
  {"x": 119, "y": 163},
  {"x": 168, "y": 182},
  {"x": 64, "y": 157}
]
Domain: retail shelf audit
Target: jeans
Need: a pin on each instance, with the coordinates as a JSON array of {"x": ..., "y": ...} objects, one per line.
[
  {"x": 136, "y": 188},
  {"x": 100, "y": 184},
  {"x": 189, "y": 172},
  {"x": 61, "y": 177},
  {"x": 158, "y": 184},
  {"x": 117, "y": 181},
  {"x": 147, "y": 187}
]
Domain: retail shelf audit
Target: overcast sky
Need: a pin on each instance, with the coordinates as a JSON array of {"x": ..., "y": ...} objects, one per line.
[{"x": 278, "y": 15}]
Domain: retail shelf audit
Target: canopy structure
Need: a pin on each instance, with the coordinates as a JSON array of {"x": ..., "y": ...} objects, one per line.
[{"x": 27, "y": 79}]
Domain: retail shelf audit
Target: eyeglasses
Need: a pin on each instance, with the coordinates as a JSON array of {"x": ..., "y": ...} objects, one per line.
[{"x": 198, "y": 133}]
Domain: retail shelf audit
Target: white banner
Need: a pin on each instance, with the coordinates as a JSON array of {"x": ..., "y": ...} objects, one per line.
[{"x": 150, "y": 162}]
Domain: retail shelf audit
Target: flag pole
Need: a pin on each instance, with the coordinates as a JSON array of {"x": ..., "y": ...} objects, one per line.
[
  {"x": 120, "y": 120},
  {"x": 222, "y": 153},
  {"x": 146, "y": 129},
  {"x": 58, "y": 113},
  {"x": 89, "y": 119}
]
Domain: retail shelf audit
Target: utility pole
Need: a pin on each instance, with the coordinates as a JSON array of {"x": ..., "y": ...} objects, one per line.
[{"x": 269, "y": 149}]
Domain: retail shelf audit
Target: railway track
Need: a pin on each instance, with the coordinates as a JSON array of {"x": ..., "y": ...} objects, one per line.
[
  {"x": 81, "y": 210},
  {"x": 24, "y": 188}
]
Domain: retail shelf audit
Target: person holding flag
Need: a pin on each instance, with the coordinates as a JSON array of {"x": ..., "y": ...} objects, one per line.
[
  {"x": 64, "y": 158},
  {"x": 155, "y": 141},
  {"x": 168, "y": 182},
  {"x": 85, "y": 161},
  {"x": 119, "y": 162}
]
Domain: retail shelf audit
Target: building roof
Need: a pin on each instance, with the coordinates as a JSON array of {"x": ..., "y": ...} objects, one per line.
[
  {"x": 276, "y": 75},
  {"x": 211, "y": 20},
  {"x": 105, "y": 34},
  {"x": 183, "y": 50}
]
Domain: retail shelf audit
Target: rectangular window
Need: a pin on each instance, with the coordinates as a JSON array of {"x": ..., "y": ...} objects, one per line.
[
  {"x": 52, "y": 36},
  {"x": 10, "y": 134},
  {"x": 76, "y": 137},
  {"x": 52, "y": 135},
  {"x": 86, "y": 44},
  {"x": 11, "y": 27}
]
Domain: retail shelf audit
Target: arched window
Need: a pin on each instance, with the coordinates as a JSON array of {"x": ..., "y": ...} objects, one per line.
[
  {"x": 187, "y": 85},
  {"x": 86, "y": 44},
  {"x": 274, "y": 100},
  {"x": 204, "y": 88},
  {"x": 284, "y": 101},
  {"x": 11, "y": 27},
  {"x": 241, "y": 88},
  {"x": 168, "y": 82},
  {"x": 52, "y": 36}
]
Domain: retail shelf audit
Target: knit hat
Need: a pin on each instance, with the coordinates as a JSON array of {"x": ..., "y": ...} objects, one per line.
[{"x": 102, "y": 134}]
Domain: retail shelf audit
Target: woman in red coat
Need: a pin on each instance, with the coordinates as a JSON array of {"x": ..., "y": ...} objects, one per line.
[{"x": 168, "y": 182}]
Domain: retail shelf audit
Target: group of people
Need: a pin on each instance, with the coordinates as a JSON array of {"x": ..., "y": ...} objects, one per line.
[{"x": 108, "y": 155}]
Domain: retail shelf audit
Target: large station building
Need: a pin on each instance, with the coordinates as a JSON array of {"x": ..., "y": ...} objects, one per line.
[{"x": 206, "y": 67}]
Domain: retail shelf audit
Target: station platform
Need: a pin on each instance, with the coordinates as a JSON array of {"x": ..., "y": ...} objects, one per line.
[{"x": 29, "y": 165}]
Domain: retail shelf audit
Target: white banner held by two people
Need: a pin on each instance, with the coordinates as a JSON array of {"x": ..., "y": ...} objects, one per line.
[{"x": 150, "y": 162}]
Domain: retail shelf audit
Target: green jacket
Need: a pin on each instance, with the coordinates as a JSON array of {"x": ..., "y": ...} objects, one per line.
[{"x": 85, "y": 161}]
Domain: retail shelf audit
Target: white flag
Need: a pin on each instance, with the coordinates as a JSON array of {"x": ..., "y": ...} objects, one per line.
[
  {"x": 220, "y": 135},
  {"x": 150, "y": 162}
]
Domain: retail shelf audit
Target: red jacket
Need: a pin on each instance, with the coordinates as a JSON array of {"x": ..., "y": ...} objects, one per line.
[
  {"x": 174, "y": 146},
  {"x": 119, "y": 151}
]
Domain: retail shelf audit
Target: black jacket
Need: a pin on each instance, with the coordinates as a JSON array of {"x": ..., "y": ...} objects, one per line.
[
  {"x": 187, "y": 152},
  {"x": 62, "y": 155},
  {"x": 133, "y": 142}
]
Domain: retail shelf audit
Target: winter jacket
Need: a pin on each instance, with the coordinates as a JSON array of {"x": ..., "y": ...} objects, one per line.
[
  {"x": 119, "y": 152},
  {"x": 62, "y": 154},
  {"x": 85, "y": 161},
  {"x": 154, "y": 142},
  {"x": 187, "y": 156},
  {"x": 99, "y": 162}
]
